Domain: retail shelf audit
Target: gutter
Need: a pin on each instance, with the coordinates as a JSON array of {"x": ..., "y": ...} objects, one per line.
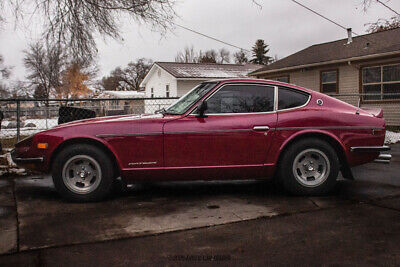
[{"x": 326, "y": 63}]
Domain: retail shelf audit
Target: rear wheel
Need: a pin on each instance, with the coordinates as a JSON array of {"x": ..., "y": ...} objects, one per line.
[
  {"x": 83, "y": 173},
  {"x": 309, "y": 167}
]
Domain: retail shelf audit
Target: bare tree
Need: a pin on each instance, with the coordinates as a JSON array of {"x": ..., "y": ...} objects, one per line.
[
  {"x": 4, "y": 92},
  {"x": 381, "y": 24},
  {"x": 384, "y": 24},
  {"x": 224, "y": 56},
  {"x": 188, "y": 55},
  {"x": 210, "y": 56},
  {"x": 45, "y": 65},
  {"x": 5, "y": 71},
  {"x": 129, "y": 78},
  {"x": 74, "y": 24},
  {"x": 241, "y": 57}
]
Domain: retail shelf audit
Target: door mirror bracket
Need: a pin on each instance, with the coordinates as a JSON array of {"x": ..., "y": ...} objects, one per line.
[{"x": 201, "y": 109}]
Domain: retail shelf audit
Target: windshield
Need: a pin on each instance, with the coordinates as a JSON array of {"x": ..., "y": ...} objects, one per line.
[{"x": 186, "y": 101}]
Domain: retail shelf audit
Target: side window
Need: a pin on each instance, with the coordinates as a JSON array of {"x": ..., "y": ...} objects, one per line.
[
  {"x": 290, "y": 98},
  {"x": 242, "y": 99}
]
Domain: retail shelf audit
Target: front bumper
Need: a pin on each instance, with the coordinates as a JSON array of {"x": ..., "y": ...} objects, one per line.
[
  {"x": 23, "y": 161},
  {"x": 382, "y": 158}
]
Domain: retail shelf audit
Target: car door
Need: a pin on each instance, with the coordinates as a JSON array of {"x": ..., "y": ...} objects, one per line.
[{"x": 231, "y": 142}]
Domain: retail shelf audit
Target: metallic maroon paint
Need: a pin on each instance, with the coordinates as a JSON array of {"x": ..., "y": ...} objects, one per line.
[{"x": 184, "y": 147}]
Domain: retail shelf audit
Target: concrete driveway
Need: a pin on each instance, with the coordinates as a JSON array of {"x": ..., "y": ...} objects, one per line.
[{"x": 204, "y": 221}]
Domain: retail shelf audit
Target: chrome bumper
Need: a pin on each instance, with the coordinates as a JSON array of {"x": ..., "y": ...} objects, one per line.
[
  {"x": 369, "y": 149},
  {"x": 18, "y": 160},
  {"x": 382, "y": 158}
]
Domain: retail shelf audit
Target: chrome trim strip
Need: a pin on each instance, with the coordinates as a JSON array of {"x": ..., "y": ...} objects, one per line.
[
  {"x": 40, "y": 159},
  {"x": 276, "y": 98},
  {"x": 369, "y": 148},
  {"x": 211, "y": 131},
  {"x": 329, "y": 127},
  {"x": 125, "y": 135}
]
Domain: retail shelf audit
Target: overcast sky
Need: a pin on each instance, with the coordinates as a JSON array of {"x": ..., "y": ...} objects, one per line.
[{"x": 285, "y": 26}]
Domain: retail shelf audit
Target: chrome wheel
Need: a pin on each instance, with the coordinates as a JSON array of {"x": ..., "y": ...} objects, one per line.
[
  {"x": 311, "y": 167},
  {"x": 81, "y": 174}
]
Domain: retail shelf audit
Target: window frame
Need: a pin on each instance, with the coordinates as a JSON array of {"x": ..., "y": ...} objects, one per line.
[
  {"x": 321, "y": 83},
  {"x": 296, "y": 91},
  {"x": 192, "y": 111},
  {"x": 167, "y": 90},
  {"x": 381, "y": 83}
]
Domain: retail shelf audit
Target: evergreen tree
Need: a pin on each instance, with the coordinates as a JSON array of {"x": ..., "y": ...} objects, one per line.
[{"x": 260, "y": 49}]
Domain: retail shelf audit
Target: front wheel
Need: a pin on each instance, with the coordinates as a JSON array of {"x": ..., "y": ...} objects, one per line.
[
  {"x": 83, "y": 173},
  {"x": 309, "y": 167}
]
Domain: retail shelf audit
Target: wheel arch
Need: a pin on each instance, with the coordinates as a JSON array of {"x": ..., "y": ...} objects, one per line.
[
  {"x": 88, "y": 141},
  {"x": 327, "y": 137}
]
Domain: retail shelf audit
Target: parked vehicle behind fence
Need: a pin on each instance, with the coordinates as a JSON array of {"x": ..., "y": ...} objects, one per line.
[{"x": 225, "y": 129}]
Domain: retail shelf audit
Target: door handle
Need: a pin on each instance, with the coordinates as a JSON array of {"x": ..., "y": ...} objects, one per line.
[{"x": 260, "y": 128}]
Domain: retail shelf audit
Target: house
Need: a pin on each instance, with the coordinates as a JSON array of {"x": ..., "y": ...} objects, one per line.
[
  {"x": 117, "y": 105},
  {"x": 368, "y": 64},
  {"x": 173, "y": 79}
]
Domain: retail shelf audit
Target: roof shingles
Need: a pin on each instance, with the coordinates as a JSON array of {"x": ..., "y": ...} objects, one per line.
[
  {"x": 209, "y": 71},
  {"x": 380, "y": 42}
]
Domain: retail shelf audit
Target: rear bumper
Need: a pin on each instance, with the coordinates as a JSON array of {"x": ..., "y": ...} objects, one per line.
[
  {"x": 382, "y": 158},
  {"x": 369, "y": 149}
]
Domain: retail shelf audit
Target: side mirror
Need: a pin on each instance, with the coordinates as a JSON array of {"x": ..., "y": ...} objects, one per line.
[{"x": 201, "y": 109}]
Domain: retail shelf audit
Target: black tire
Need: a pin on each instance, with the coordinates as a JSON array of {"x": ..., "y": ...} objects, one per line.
[
  {"x": 104, "y": 185},
  {"x": 297, "y": 185}
]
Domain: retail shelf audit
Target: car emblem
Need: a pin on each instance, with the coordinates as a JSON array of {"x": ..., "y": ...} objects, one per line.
[{"x": 320, "y": 102}]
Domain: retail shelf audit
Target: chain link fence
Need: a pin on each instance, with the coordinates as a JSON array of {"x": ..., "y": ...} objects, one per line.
[{"x": 24, "y": 117}]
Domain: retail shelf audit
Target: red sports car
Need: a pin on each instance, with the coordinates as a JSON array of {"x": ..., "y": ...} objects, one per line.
[{"x": 226, "y": 129}]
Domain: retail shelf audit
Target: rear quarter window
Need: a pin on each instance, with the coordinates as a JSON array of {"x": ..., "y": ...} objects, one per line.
[{"x": 289, "y": 98}]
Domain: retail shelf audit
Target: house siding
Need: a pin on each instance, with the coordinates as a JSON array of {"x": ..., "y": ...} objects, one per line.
[
  {"x": 186, "y": 86},
  {"x": 158, "y": 83},
  {"x": 349, "y": 83}
]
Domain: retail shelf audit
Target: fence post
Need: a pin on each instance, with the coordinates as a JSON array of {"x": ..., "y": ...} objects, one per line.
[{"x": 18, "y": 119}]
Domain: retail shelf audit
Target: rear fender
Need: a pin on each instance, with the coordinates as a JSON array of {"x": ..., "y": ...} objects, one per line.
[{"x": 325, "y": 135}]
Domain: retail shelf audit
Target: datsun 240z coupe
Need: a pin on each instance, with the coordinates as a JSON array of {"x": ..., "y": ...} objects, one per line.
[{"x": 225, "y": 129}]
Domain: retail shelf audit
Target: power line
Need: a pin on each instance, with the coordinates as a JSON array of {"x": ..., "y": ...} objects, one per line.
[
  {"x": 388, "y": 7},
  {"x": 328, "y": 19},
  {"x": 210, "y": 37}
]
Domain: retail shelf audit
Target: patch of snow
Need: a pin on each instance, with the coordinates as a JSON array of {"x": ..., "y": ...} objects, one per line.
[
  {"x": 392, "y": 137},
  {"x": 122, "y": 94},
  {"x": 41, "y": 125}
]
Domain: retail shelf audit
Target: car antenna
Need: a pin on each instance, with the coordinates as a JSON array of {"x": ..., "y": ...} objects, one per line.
[{"x": 358, "y": 105}]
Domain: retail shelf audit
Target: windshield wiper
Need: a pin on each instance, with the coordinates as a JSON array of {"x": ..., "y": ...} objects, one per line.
[{"x": 162, "y": 111}]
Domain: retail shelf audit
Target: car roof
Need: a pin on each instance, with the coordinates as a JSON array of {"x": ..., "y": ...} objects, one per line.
[{"x": 253, "y": 80}]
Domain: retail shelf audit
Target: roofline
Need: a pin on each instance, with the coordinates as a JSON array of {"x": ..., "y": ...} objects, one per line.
[
  {"x": 325, "y": 63},
  {"x": 208, "y": 78}
]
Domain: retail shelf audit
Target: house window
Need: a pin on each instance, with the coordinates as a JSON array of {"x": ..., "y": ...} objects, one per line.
[
  {"x": 329, "y": 82},
  {"x": 167, "y": 90},
  {"x": 381, "y": 81},
  {"x": 284, "y": 79},
  {"x": 152, "y": 92}
]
